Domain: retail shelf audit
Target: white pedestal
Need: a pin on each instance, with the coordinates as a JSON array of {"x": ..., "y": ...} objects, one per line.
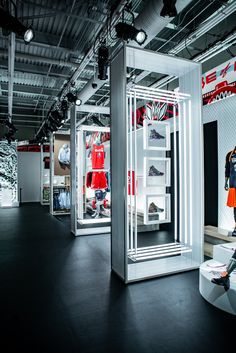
[{"x": 215, "y": 294}]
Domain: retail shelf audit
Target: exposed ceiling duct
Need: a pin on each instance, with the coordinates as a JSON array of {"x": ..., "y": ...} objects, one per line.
[{"x": 152, "y": 23}]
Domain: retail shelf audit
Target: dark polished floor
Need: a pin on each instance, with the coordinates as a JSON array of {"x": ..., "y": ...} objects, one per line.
[{"x": 57, "y": 295}]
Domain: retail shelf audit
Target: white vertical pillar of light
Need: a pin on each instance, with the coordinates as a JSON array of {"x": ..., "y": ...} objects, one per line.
[
  {"x": 180, "y": 175},
  {"x": 175, "y": 178},
  {"x": 190, "y": 160},
  {"x": 186, "y": 178},
  {"x": 131, "y": 171},
  {"x": 135, "y": 178},
  {"x": 128, "y": 238}
]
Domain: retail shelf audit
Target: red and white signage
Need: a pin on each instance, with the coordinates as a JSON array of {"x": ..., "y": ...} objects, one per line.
[{"x": 219, "y": 82}]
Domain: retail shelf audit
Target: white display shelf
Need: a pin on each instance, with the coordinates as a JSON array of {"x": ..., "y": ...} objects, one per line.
[
  {"x": 156, "y": 135},
  {"x": 161, "y": 201},
  {"x": 153, "y": 164}
]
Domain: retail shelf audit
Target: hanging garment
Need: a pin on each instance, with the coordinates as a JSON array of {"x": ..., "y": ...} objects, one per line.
[
  {"x": 46, "y": 161},
  {"x": 67, "y": 200},
  {"x": 56, "y": 203},
  {"x": 89, "y": 179},
  {"x": 98, "y": 156},
  {"x": 99, "y": 180}
]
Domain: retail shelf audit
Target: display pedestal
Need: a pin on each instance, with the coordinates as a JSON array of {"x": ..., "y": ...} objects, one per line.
[{"x": 215, "y": 294}]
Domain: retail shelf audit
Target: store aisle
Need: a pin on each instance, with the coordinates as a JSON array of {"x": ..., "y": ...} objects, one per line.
[{"x": 59, "y": 296}]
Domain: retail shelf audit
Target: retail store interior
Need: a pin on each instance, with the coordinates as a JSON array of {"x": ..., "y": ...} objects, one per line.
[{"x": 117, "y": 176}]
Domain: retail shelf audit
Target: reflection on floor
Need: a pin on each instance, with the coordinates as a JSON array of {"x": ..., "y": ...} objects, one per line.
[{"x": 58, "y": 295}]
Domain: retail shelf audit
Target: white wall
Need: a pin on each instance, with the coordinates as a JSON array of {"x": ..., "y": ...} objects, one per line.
[
  {"x": 224, "y": 112},
  {"x": 29, "y": 176}
]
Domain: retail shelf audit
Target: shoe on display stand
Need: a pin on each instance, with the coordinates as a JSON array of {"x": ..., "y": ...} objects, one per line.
[
  {"x": 154, "y": 208},
  {"x": 222, "y": 281},
  {"x": 154, "y": 172},
  {"x": 154, "y": 135}
]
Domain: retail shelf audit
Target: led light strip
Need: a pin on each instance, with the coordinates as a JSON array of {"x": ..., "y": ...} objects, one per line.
[
  {"x": 160, "y": 246},
  {"x": 157, "y": 250},
  {"x": 153, "y": 256},
  {"x": 175, "y": 176},
  {"x": 190, "y": 175},
  {"x": 135, "y": 177},
  {"x": 155, "y": 98},
  {"x": 161, "y": 91},
  {"x": 127, "y": 168},
  {"x": 130, "y": 170},
  {"x": 161, "y": 95},
  {"x": 180, "y": 176},
  {"x": 185, "y": 174}
]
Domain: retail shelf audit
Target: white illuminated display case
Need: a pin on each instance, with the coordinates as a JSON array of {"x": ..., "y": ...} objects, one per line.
[
  {"x": 44, "y": 175},
  {"x": 91, "y": 197},
  {"x": 158, "y": 167},
  {"x": 60, "y": 195}
]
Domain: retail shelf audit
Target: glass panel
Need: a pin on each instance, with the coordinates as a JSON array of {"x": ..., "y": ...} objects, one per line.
[{"x": 94, "y": 181}]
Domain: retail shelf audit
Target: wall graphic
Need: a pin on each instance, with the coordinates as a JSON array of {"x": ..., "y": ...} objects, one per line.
[
  {"x": 62, "y": 154},
  {"x": 8, "y": 174},
  {"x": 219, "y": 82}
]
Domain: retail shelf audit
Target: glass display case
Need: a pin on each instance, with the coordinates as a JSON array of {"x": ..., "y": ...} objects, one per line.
[
  {"x": 91, "y": 178},
  {"x": 157, "y": 165},
  {"x": 45, "y": 174},
  {"x": 60, "y": 196}
]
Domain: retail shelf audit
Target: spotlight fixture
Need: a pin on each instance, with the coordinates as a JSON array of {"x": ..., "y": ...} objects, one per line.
[
  {"x": 128, "y": 32},
  {"x": 12, "y": 24},
  {"x": 72, "y": 98},
  {"x": 103, "y": 61},
  {"x": 78, "y": 102},
  {"x": 169, "y": 9}
]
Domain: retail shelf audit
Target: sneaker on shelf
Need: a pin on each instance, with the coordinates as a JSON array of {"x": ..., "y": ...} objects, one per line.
[
  {"x": 154, "y": 208},
  {"x": 222, "y": 281},
  {"x": 233, "y": 233},
  {"x": 154, "y": 135},
  {"x": 154, "y": 172}
]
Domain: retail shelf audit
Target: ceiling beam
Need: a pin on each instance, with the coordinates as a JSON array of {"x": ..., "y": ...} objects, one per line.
[
  {"x": 62, "y": 12},
  {"x": 18, "y": 88}
]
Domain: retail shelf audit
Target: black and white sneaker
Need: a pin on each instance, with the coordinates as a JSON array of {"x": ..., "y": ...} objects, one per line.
[
  {"x": 154, "y": 135},
  {"x": 222, "y": 281},
  {"x": 154, "y": 172},
  {"x": 154, "y": 208}
]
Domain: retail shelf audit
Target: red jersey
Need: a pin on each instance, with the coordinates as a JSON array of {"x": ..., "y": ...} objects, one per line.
[{"x": 98, "y": 157}]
